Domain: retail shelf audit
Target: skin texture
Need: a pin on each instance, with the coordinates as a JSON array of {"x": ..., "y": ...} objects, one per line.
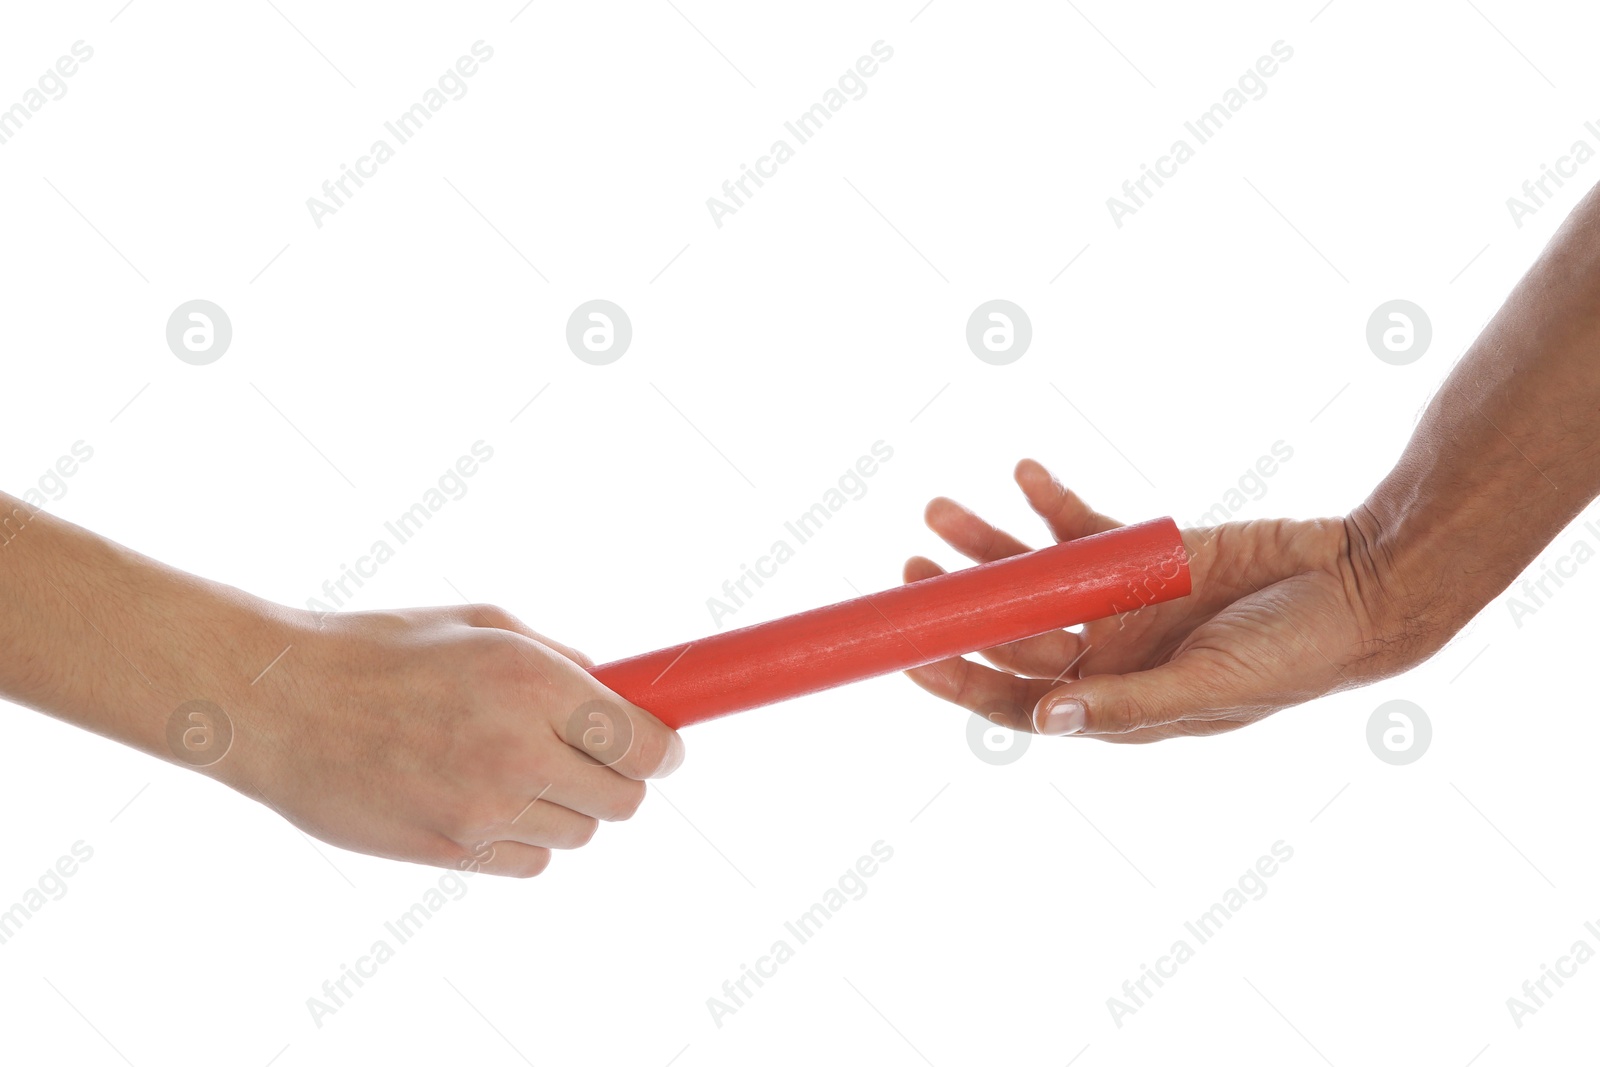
[
  {"x": 1277, "y": 617},
  {"x": 456, "y": 737},
  {"x": 1506, "y": 456}
]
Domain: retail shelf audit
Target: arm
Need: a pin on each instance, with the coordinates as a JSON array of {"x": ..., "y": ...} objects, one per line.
[
  {"x": 449, "y": 736},
  {"x": 1508, "y": 452},
  {"x": 1283, "y": 611}
]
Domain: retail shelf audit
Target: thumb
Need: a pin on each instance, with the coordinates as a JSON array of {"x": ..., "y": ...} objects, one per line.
[{"x": 1121, "y": 703}]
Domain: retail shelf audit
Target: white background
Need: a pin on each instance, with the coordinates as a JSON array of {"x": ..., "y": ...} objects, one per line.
[{"x": 827, "y": 314}]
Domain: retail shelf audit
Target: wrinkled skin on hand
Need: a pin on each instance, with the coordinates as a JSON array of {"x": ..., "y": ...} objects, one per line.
[{"x": 1282, "y": 611}]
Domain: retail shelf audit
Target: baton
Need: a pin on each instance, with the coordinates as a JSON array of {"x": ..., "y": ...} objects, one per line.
[{"x": 908, "y": 626}]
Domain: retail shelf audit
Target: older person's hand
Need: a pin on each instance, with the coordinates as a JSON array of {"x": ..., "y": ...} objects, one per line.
[{"x": 1282, "y": 611}]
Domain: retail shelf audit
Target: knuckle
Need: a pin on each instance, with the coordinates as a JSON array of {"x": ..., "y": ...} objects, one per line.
[
  {"x": 499, "y": 657},
  {"x": 648, "y": 752},
  {"x": 629, "y": 796},
  {"x": 489, "y": 615},
  {"x": 604, "y": 731},
  {"x": 533, "y": 864},
  {"x": 1004, "y": 656},
  {"x": 963, "y": 688},
  {"x": 498, "y": 668},
  {"x": 1005, "y": 714},
  {"x": 1017, "y": 705},
  {"x": 529, "y": 861},
  {"x": 1104, "y": 717},
  {"x": 443, "y": 851},
  {"x": 583, "y": 833},
  {"x": 1128, "y": 716},
  {"x": 477, "y": 857}
]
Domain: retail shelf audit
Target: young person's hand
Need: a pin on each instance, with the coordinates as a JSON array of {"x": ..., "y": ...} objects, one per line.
[{"x": 449, "y": 736}]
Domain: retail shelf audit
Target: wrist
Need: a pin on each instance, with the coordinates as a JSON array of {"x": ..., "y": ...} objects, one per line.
[
  {"x": 1417, "y": 577},
  {"x": 172, "y": 663},
  {"x": 223, "y": 714},
  {"x": 112, "y": 641}
]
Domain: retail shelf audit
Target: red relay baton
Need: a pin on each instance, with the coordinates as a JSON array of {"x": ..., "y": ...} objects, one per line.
[{"x": 909, "y": 626}]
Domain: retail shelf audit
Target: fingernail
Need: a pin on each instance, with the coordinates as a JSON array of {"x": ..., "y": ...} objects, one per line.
[{"x": 1063, "y": 715}]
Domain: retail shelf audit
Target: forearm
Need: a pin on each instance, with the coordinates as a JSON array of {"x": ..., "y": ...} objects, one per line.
[
  {"x": 1508, "y": 451},
  {"x": 107, "y": 639},
  {"x": 437, "y": 735}
]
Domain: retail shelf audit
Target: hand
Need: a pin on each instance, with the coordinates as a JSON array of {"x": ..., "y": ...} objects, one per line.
[
  {"x": 1282, "y": 611},
  {"x": 447, "y": 736}
]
